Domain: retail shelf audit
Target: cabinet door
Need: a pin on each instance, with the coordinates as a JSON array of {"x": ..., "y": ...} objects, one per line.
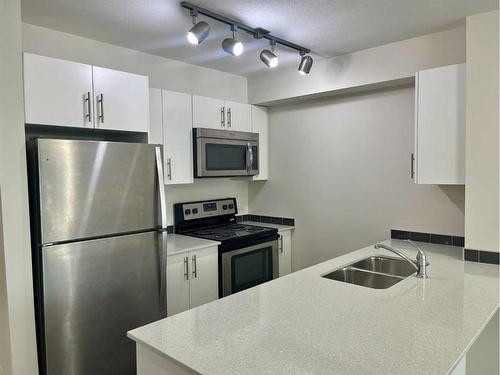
[
  {"x": 204, "y": 285},
  {"x": 285, "y": 252},
  {"x": 177, "y": 137},
  {"x": 57, "y": 92},
  {"x": 238, "y": 116},
  {"x": 155, "y": 117},
  {"x": 121, "y": 100},
  {"x": 440, "y": 126},
  {"x": 177, "y": 283},
  {"x": 208, "y": 112},
  {"x": 260, "y": 125}
]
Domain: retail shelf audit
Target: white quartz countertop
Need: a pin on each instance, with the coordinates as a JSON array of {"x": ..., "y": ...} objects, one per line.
[
  {"x": 306, "y": 324},
  {"x": 177, "y": 243},
  {"x": 279, "y": 227}
]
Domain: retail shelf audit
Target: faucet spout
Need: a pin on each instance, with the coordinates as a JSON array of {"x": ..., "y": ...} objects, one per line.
[{"x": 421, "y": 261}]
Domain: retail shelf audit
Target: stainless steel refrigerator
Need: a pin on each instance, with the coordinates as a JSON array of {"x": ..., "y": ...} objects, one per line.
[{"x": 99, "y": 251}]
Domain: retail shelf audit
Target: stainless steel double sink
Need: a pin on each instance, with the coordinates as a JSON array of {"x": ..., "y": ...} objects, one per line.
[{"x": 377, "y": 272}]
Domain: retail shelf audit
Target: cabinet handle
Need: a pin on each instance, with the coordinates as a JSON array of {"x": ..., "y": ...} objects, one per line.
[
  {"x": 281, "y": 243},
  {"x": 195, "y": 267},
  {"x": 186, "y": 270},
  {"x": 222, "y": 117},
  {"x": 412, "y": 168},
  {"x": 169, "y": 168},
  {"x": 100, "y": 101},
  {"x": 229, "y": 117},
  {"x": 88, "y": 114}
]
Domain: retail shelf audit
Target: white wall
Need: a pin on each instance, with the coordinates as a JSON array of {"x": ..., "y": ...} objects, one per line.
[
  {"x": 208, "y": 189},
  {"x": 17, "y": 326},
  {"x": 394, "y": 61},
  {"x": 163, "y": 73},
  {"x": 482, "y": 135},
  {"x": 340, "y": 167}
]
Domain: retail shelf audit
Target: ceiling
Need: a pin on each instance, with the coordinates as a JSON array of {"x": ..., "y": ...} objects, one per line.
[{"x": 327, "y": 27}]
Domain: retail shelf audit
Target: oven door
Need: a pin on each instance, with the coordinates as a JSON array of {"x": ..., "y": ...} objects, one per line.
[
  {"x": 249, "y": 266},
  {"x": 226, "y": 157}
]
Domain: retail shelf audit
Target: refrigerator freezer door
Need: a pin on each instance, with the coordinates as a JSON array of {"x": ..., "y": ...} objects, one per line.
[
  {"x": 90, "y": 189},
  {"x": 94, "y": 292}
]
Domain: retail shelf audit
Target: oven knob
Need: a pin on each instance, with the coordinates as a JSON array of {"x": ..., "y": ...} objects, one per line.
[
  {"x": 195, "y": 210},
  {"x": 224, "y": 207},
  {"x": 231, "y": 206},
  {"x": 187, "y": 212}
]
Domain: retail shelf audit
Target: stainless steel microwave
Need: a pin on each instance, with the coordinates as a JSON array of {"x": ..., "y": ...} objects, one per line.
[{"x": 225, "y": 153}]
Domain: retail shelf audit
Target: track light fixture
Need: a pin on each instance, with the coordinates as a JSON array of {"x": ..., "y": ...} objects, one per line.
[
  {"x": 268, "y": 57},
  {"x": 200, "y": 31},
  {"x": 231, "y": 45},
  {"x": 305, "y": 64}
]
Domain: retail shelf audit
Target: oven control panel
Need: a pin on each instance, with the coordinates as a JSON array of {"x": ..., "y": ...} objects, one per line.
[{"x": 206, "y": 209}]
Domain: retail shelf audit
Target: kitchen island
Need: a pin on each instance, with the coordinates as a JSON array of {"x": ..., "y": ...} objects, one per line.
[{"x": 304, "y": 323}]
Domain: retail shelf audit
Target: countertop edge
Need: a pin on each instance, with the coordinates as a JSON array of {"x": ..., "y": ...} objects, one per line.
[
  {"x": 159, "y": 352},
  {"x": 473, "y": 339}
]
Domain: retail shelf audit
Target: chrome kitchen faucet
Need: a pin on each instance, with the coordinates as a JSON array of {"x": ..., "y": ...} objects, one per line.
[{"x": 421, "y": 262}]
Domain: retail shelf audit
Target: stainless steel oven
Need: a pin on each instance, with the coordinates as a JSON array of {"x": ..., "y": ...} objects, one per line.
[
  {"x": 225, "y": 153},
  {"x": 246, "y": 267}
]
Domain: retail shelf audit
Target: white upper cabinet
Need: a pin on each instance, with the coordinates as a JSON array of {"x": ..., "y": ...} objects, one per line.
[
  {"x": 65, "y": 93},
  {"x": 208, "y": 112},
  {"x": 57, "y": 92},
  {"x": 440, "y": 126},
  {"x": 238, "y": 116},
  {"x": 260, "y": 125},
  {"x": 177, "y": 137},
  {"x": 155, "y": 135},
  {"x": 121, "y": 100},
  {"x": 219, "y": 114}
]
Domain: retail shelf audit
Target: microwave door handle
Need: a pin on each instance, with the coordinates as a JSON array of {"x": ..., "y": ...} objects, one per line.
[
  {"x": 248, "y": 151},
  {"x": 250, "y": 167}
]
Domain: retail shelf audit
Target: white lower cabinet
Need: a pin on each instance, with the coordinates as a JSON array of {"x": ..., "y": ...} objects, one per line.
[
  {"x": 192, "y": 279},
  {"x": 285, "y": 252},
  {"x": 177, "y": 283}
]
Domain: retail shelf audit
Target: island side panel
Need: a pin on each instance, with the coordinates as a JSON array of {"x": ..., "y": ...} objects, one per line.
[{"x": 150, "y": 362}]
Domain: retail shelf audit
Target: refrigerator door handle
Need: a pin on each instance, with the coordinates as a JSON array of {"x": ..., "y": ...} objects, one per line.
[
  {"x": 163, "y": 269},
  {"x": 163, "y": 232},
  {"x": 161, "y": 188}
]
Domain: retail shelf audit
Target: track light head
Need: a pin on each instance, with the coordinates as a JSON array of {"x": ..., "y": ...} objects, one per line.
[
  {"x": 305, "y": 64},
  {"x": 269, "y": 58},
  {"x": 198, "y": 33},
  {"x": 232, "y": 46}
]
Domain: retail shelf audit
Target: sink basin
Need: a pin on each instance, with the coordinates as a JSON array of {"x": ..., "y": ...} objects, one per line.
[
  {"x": 377, "y": 272},
  {"x": 363, "y": 278},
  {"x": 386, "y": 265}
]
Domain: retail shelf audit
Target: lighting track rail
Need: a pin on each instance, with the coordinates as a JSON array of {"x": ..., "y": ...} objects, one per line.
[{"x": 200, "y": 31}]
